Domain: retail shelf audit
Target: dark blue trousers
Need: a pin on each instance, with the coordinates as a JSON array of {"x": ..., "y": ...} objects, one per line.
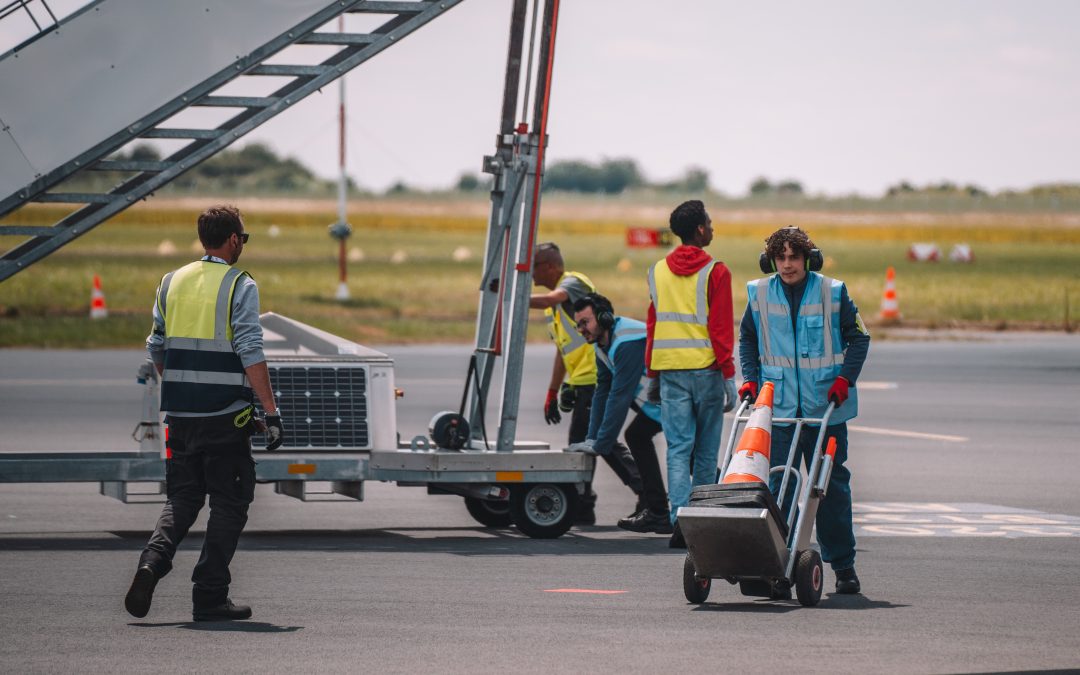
[{"x": 834, "y": 529}]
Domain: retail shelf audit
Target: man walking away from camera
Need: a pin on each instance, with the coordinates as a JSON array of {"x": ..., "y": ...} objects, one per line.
[{"x": 206, "y": 343}]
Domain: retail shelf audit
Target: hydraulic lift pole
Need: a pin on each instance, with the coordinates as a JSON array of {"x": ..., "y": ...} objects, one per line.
[{"x": 517, "y": 170}]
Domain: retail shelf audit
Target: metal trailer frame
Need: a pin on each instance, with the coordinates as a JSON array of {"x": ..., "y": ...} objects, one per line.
[
  {"x": 744, "y": 545},
  {"x": 503, "y": 482}
]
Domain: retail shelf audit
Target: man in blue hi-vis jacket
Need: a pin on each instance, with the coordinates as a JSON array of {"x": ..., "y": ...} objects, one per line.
[
  {"x": 802, "y": 332},
  {"x": 621, "y": 386}
]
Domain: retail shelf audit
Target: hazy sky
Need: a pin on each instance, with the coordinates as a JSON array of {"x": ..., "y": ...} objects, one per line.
[{"x": 841, "y": 95}]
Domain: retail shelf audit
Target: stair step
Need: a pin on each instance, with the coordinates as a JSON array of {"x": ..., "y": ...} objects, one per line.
[
  {"x": 129, "y": 165},
  {"x": 206, "y": 134},
  {"x": 237, "y": 101},
  {"x": 389, "y": 7},
  {"x": 338, "y": 39},
  {"x": 288, "y": 70},
  {"x": 75, "y": 198}
]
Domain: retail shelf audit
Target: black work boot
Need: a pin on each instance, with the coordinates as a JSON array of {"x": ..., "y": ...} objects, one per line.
[
  {"x": 676, "y": 540},
  {"x": 226, "y": 611},
  {"x": 141, "y": 593},
  {"x": 640, "y": 506},
  {"x": 647, "y": 521},
  {"x": 847, "y": 582}
]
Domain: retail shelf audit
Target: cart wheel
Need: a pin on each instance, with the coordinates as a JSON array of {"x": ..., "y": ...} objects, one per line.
[
  {"x": 808, "y": 578},
  {"x": 489, "y": 512},
  {"x": 695, "y": 588},
  {"x": 543, "y": 510}
]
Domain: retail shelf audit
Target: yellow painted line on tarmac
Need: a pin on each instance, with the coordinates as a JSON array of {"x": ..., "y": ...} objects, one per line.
[
  {"x": 909, "y": 434},
  {"x": 581, "y": 590}
]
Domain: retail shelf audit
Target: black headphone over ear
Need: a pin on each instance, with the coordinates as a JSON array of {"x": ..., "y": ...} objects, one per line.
[
  {"x": 814, "y": 262},
  {"x": 605, "y": 313}
]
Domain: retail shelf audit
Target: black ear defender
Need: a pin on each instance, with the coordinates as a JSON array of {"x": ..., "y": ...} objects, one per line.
[
  {"x": 605, "y": 313},
  {"x": 814, "y": 262}
]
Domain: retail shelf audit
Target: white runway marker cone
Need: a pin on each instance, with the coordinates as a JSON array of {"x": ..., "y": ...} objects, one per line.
[
  {"x": 97, "y": 301},
  {"x": 750, "y": 463},
  {"x": 890, "y": 307}
]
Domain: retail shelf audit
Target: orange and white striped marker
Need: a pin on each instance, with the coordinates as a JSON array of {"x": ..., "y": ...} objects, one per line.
[
  {"x": 97, "y": 301},
  {"x": 890, "y": 307},
  {"x": 750, "y": 463}
]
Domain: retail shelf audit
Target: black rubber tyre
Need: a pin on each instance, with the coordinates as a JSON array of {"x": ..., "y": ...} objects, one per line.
[
  {"x": 695, "y": 588},
  {"x": 809, "y": 578},
  {"x": 489, "y": 512},
  {"x": 543, "y": 510}
]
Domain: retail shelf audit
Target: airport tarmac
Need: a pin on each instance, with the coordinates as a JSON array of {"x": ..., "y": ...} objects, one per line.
[{"x": 965, "y": 461}]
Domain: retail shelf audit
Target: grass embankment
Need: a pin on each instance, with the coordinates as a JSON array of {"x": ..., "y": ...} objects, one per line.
[{"x": 1025, "y": 265}]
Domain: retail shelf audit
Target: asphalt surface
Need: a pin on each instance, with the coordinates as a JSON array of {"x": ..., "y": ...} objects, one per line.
[{"x": 965, "y": 462}]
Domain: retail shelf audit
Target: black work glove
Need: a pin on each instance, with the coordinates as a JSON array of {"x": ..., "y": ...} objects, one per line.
[
  {"x": 275, "y": 432},
  {"x": 652, "y": 391},
  {"x": 567, "y": 397}
]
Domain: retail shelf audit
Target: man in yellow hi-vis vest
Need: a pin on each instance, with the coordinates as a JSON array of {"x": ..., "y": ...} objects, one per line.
[
  {"x": 690, "y": 336},
  {"x": 207, "y": 344},
  {"x": 573, "y": 374}
]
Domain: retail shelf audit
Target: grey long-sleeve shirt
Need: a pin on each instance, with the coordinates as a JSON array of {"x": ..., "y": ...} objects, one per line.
[{"x": 247, "y": 339}]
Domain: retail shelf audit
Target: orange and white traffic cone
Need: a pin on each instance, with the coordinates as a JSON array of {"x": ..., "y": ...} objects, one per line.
[
  {"x": 890, "y": 308},
  {"x": 750, "y": 463},
  {"x": 97, "y": 301}
]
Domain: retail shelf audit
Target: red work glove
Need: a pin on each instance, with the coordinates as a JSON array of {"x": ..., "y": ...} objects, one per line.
[
  {"x": 551, "y": 407},
  {"x": 839, "y": 391},
  {"x": 748, "y": 391}
]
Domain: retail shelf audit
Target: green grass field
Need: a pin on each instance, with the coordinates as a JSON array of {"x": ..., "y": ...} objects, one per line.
[{"x": 1025, "y": 267}]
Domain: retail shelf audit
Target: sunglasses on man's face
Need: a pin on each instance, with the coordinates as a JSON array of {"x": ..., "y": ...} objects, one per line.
[{"x": 243, "y": 237}]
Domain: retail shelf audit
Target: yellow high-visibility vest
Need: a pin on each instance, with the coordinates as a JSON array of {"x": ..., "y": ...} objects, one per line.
[
  {"x": 681, "y": 334},
  {"x": 578, "y": 355},
  {"x": 202, "y": 371}
]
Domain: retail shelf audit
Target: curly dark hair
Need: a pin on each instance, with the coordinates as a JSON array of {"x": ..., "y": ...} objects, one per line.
[
  {"x": 217, "y": 224},
  {"x": 800, "y": 242},
  {"x": 686, "y": 218}
]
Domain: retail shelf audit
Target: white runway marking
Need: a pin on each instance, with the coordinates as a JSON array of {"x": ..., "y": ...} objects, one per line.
[
  {"x": 910, "y": 519},
  {"x": 909, "y": 434},
  {"x": 876, "y": 385}
]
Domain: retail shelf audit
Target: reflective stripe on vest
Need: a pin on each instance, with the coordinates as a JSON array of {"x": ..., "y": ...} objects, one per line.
[
  {"x": 577, "y": 354},
  {"x": 801, "y": 363},
  {"x": 681, "y": 335},
  {"x": 627, "y": 330},
  {"x": 202, "y": 372}
]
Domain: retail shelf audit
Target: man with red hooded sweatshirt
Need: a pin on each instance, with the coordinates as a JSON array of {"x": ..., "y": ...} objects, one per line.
[{"x": 690, "y": 337}]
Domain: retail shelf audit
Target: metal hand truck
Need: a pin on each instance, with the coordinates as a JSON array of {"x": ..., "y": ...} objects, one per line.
[{"x": 737, "y": 532}]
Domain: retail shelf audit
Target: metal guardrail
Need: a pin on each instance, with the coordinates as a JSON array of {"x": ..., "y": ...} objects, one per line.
[{"x": 20, "y": 8}]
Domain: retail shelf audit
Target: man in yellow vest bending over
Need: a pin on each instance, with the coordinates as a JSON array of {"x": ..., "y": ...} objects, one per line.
[
  {"x": 207, "y": 344},
  {"x": 573, "y": 374},
  {"x": 690, "y": 336}
]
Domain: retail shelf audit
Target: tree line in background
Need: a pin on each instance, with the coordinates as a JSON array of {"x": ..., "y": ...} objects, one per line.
[{"x": 257, "y": 168}]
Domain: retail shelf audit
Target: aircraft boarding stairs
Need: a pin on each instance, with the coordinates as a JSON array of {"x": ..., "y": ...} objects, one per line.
[{"x": 119, "y": 71}]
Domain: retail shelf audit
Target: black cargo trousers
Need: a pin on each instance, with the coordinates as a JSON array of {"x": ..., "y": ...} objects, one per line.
[{"x": 210, "y": 456}]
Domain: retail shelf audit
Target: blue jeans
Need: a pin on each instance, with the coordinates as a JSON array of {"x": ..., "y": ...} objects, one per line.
[
  {"x": 834, "y": 530},
  {"x": 692, "y": 414}
]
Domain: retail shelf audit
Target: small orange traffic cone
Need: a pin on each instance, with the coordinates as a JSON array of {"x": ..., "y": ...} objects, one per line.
[
  {"x": 750, "y": 463},
  {"x": 97, "y": 301},
  {"x": 890, "y": 308}
]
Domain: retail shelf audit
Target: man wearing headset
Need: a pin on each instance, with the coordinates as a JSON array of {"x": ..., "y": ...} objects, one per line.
[
  {"x": 620, "y": 387},
  {"x": 802, "y": 332}
]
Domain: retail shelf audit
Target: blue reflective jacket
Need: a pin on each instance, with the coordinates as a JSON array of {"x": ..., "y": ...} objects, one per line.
[
  {"x": 620, "y": 383},
  {"x": 802, "y": 363}
]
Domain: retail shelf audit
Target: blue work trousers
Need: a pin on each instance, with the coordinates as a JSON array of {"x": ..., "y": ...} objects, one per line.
[
  {"x": 692, "y": 414},
  {"x": 834, "y": 529}
]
